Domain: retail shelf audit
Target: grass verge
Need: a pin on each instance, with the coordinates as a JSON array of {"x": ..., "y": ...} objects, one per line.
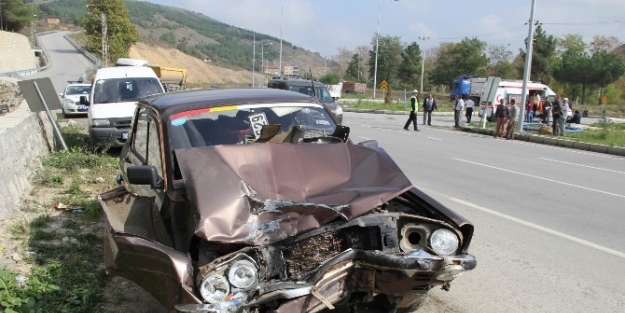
[
  {"x": 611, "y": 134},
  {"x": 58, "y": 258}
]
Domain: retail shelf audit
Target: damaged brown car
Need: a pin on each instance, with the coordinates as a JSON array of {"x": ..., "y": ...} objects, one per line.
[{"x": 255, "y": 200}]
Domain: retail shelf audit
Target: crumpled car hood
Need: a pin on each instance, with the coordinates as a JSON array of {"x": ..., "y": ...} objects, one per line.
[{"x": 265, "y": 192}]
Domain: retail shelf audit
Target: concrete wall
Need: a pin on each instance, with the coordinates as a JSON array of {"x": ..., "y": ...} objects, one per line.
[
  {"x": 16, "y": 55},
  {"x": 22, "y": 145}
]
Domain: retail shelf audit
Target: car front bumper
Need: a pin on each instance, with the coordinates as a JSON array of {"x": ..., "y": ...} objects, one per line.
[
  {"x": 108, "y": 136},
  {"x": 407, "y": 276}
]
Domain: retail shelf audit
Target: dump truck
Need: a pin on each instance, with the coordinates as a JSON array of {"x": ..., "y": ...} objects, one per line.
[
  {"x": 173, "y": 79},
  {"x": 351, "y": 87}
]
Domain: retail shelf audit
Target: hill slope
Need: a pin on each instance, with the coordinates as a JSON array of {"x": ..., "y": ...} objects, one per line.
[{"x": 197, "y": 35}]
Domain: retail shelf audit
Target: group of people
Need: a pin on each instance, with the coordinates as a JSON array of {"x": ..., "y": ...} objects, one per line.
[
  {"x": 429, "y": 105},
  {"x": 506, "y": 120},
  {"x": 506, "y": 116}
]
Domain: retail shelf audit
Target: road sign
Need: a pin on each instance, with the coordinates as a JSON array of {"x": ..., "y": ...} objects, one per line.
[
  {"x": 383, "y": 85},
  {"x": 604, "y": 99}
]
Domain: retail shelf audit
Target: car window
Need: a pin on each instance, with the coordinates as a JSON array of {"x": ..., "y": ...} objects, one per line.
[
  {"x": 154, "y": 147},
  {"x": 124, "y": 89},
  {"x": 78, "y": 90},
  {"x": 242, "y": 124},
  {"x": 140, "y": 138}
]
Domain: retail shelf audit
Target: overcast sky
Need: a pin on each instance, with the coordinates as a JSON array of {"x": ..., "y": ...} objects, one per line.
[{"x": 324, "y": 26}]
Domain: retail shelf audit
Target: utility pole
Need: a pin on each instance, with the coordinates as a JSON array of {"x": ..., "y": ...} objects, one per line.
[
  {"x": 105, "y": 41},
  {"x": 422, "y": 61},
  {"x": 528, "y": 66},
  {"x": 281, "y": 28},
  {"x": 253, "y": 58}
]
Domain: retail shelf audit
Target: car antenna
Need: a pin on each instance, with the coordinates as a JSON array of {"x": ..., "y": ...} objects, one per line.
[{"x": 313, "y": 83}]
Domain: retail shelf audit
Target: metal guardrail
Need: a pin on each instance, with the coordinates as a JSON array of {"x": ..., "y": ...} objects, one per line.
[
  {"x": 86, "y": 53},
  {"x": 19, "y": 74}
]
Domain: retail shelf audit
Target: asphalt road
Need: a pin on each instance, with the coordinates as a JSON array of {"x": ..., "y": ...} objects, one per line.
[
  {"x": 66, "y": 63},
  {"x": 549, "y": 221}
]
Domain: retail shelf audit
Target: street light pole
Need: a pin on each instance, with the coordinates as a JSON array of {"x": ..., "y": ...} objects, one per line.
[
  {"x": 422, "y": 62},
  {"x": 377, "y": 46},
  {"x": 528, "y": 66},
  {"x": 281, "y": 28}
]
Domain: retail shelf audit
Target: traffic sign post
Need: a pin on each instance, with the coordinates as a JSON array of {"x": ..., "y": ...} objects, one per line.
[{"x": 604, "y": 100}]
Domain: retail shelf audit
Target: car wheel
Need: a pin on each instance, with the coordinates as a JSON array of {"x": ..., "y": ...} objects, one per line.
[{"x": 64, "y": 114}]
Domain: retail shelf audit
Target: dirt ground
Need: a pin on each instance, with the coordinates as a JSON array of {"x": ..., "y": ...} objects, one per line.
[{"x": 199, "y": 72}]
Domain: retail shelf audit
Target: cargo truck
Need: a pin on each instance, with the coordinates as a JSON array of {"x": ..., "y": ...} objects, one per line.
[{"x": 173, "y": 79}]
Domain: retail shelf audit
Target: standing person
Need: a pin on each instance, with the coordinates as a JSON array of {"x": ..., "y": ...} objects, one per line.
[
  {"x": 429, "y": 105},
  {"x": 414, "y": 105},
  {"x": 530, "y": 111},
  {"x": 556, "y": 111},
  {"x": 469, "y": 104},
  {"x": 563, "y": 113},
  {"x": 501, "y": 116},
  {"x": 457, "y": 110},
  {"x": 546, "y": 111},
  {"x": 512, "y": 120}
]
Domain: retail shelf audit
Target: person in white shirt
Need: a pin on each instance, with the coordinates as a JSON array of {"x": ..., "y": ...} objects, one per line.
[
  {"x": 469, "y": 104},
  {"x": 457, "y": 109}
]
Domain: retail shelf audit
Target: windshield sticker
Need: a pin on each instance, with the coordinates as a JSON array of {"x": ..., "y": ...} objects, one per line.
[
  {"x": 178, "y": 121},
  {"x": 258, "y": 121},
  {"x": 100, "y": 81},
  {"x": 322, "y": 122}
]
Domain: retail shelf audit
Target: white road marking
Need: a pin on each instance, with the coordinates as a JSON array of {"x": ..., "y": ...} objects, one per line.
[
  {"x": 542, "y": 228},
  {"x": 543, "y": 178},
  {"x": 592, "y": 167},
  {"x": 365, "y": 138},
  {"x": 434, "y": 138}
]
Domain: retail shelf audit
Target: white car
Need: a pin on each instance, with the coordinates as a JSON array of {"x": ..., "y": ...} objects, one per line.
[{"x": 70, "y": 98}]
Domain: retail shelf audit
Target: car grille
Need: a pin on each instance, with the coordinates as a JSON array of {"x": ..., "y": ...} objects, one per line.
[
  {"x": 121, "y": 123},
  {"x": 308, "y": 254}
]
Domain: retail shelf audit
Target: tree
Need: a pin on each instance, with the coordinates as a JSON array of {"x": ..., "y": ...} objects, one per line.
[
  {"x": 572, "y": 43},
  {"x": 329, "y": 79},
  {"x": 170, "y": 38},
  {"x": 122, "y": 34},
  {"x": 342, "y": 59},
  {"x": 389, "y": 60},
  {"x": 603, "y": 43},
  {"x": 353, "y": 72},
  {"x": 410, "y": 69},
  {"x": 608, "y": 68},
  {"x": 575, "y": 68},
  {"x": 543, "y": 55},
  {"x": 500, "y": 64},
  {"x": 14, "y": 15},
  {"x": 455, "y": 59}
]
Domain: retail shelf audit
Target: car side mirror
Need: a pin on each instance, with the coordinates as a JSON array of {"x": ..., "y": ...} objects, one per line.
[
  {"x": 83, "y": 100},
  {"x": 144, "y": 175},
  {"x": 61, "y": 95},
  {"x": 369, "y": 143}
]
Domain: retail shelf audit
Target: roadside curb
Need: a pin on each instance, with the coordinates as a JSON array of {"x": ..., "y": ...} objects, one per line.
[
  {"x": 541, "y": 139},
  {"x": 553, "y": 141},
  {"x": 391, "y": 112}
]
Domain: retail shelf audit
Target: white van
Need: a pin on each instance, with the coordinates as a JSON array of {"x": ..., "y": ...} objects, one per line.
[{"x": 112, "y": 101}]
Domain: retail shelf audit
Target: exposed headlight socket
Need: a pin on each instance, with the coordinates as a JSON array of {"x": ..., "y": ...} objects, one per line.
[{"x": 413, "y": 237}]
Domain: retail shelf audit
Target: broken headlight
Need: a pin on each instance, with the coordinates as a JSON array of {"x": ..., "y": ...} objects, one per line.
[
  {"x": 242, "y": 274},
  {"x": 214, "y": 288},
  {"x": 444, "y": 241},
  {"x": 228, "y": 279}
]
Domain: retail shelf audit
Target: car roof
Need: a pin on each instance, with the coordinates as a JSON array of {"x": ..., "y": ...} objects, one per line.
[
  {"x": 170, "y": 103},
  {"x": 296, "y": 81},
  {"x": 79, "y": 85},
  {"x": 124, "y": 71}
]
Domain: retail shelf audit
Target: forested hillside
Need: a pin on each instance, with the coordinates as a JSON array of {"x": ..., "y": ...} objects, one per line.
[{"x": 193, "y": 33}]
